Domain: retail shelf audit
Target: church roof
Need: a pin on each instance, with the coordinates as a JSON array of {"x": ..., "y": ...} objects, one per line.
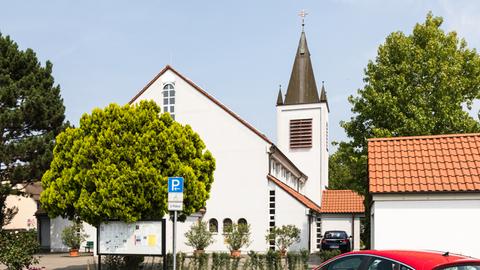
[
  {"x": 302, "y": 88},
  {"x": 203, "y": 92},
  {"x": 295, "y": 194}
]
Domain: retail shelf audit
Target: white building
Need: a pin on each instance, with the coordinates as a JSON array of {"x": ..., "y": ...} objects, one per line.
[
  {"x": 426, "y": 193},
  {"x": 255, "y": 181}
]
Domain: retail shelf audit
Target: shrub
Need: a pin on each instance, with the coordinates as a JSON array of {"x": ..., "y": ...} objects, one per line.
[
  {"x": 328, "y": 254},
  {"x": 74, "y": 235},
  {"x": 238, "y": 236},
  {"x": 199, "y": 237},
  {"x": 257, "y": 261},
  {"x": 304, "y": 255},
  {"x": 284, "y": 236},
  {"x": 273, "y": 260},
  {"x": 17, "y": 249}
]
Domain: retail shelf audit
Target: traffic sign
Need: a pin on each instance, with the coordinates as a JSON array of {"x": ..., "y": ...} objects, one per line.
[{"x": 175, "y": 185}]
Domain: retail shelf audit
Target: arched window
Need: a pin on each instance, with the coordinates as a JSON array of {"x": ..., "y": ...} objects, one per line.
[
  {"x": 169, "y": 99},
  {"x": 213, "y": 225},
  {"x": 227, "y": 225},
  {"x": 242, "y": 221}
]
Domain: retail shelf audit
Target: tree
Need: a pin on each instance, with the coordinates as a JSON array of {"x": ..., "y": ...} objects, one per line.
[
  {"x": 417, "y": 85},
  {"x": 199, "y": 237},
  {"x": 116, "y": 164},
  {"x": 31, "y": 115},
  {"x": 283, "y": 236},
  {"x": 17, "y": 249},
  {"x": 238, "y": 236}
]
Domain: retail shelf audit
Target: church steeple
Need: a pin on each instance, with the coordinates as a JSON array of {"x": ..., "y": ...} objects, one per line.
[{"x": 302, "y": 88}]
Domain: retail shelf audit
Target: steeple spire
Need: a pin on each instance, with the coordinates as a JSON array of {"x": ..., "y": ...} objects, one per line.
[
  {"x": 280, "y": 97},
  {"x": 302, "y": 87},
  {"x": 323, "y": 95}
]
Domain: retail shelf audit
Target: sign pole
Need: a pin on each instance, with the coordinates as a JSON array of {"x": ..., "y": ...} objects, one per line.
[
  {"x": 174, "y": 239},
  {"x": 175, "y": 203}
]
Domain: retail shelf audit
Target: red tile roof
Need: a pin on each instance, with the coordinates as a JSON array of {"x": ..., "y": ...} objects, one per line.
[
  {"x": 203, "y": 92},
  {"x": 441, "y": 163},
  {"x": 295, "y": 194},
  {"x": 342, "y": 201}
]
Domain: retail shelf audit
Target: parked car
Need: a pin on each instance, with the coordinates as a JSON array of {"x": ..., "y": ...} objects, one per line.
[
  {"x": 336, "y": 240},
  {"x": 400, "y": 260}
]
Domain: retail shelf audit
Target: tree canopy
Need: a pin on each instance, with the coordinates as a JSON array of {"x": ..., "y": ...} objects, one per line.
[
  {"x": 116, "y": 164},
  {"x": 31, "y": 115},
  {"x": 418, "y": 84}
]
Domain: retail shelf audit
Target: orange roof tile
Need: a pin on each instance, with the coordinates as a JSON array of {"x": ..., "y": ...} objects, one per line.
[
  {"x": 295, "y": 194},
  {"x": 440, "y": 163},
  {"x": 342, "y": 201}
]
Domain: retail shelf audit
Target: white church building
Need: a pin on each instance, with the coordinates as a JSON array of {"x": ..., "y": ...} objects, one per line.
[{"x": 256, "y": 181}]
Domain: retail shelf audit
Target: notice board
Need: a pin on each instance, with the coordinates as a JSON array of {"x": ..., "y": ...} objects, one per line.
[{"x": 138, "y": 238}]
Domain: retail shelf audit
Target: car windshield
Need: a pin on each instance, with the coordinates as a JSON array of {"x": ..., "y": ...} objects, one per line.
[
  {"x": 335, "y": 235},
  {"x": 462, "y": 267}
]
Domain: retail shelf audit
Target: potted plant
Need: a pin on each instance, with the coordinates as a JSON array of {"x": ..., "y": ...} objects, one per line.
[
  {"x": 238, "y": 236},
  {"x": 284, "y": 237},
  {"x": 199, "y": 237},
  {"x": 73, "y": 236}
]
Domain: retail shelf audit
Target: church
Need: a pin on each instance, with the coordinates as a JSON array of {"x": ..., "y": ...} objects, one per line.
[{"x": 257, "y": 181}]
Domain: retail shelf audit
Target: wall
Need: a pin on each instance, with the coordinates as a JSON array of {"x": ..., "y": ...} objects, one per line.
[
  {"x": 289, "y": 211},
  {"x": 342, "y": 222},
  {"x": 25, "y": 218},
  {"x": 312, "y": 161},
  {"x": 240, "y": 188},
  {"x": 443, "y": 223}
]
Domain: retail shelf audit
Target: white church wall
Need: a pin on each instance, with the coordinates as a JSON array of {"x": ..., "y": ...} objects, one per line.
[
  {"x": 308, "y": 160},
  {"x": 288, "y": 211},
  {"x": 324, "y": 145},
  {"x": 240, "y": 186}
]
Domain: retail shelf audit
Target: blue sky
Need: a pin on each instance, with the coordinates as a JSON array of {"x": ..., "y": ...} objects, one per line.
[{"x": 239, "y": 51}]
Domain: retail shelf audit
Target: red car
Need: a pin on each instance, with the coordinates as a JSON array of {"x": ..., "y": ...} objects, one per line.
[{"x": 400, "y": 260}]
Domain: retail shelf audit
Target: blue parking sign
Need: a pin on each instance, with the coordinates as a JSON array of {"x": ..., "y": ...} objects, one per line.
[{"x": 175, "y": 184}]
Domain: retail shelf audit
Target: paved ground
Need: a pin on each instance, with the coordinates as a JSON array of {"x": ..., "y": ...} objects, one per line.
[{"x": 62, "y": 261}]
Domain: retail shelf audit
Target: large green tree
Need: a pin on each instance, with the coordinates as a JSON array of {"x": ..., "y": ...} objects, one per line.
[
  {"x": 419, "y": 84},
  {"x": 116, "y": 163},
  {"x": 31, "y": 115}
]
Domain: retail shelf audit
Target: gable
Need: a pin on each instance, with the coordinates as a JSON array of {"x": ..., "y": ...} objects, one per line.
[{"x": 203, "y": 93}]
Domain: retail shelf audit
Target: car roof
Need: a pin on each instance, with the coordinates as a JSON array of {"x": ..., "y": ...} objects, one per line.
[{"x": 420, "y": 260}]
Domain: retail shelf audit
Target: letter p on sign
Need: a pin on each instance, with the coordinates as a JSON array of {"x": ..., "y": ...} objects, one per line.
[{"x": 175, "y": 185}]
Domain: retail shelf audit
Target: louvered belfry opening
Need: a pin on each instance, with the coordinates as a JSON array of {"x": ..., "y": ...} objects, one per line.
[{"x": 300, "y": 133}]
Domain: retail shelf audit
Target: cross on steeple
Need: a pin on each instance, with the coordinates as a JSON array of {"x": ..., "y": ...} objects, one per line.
[{"x": 303, "y": 14}]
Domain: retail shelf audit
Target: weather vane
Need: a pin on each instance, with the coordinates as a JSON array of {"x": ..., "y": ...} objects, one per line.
[{"x": 302, "y": 14}]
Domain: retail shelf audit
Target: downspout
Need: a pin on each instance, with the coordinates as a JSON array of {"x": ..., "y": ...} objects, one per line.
[{"x": 353, "y": 231}]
